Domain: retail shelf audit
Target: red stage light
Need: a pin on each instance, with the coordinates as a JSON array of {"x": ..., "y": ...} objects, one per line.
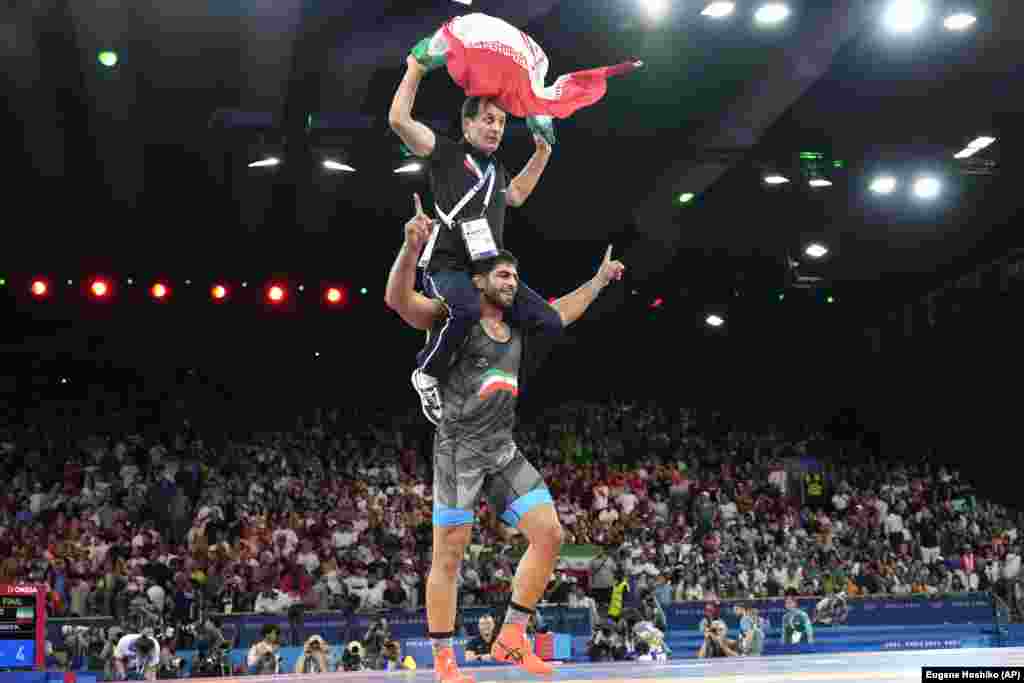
[
  {"x": 552, "y": 300},
  {"x": 99, "y": 288},
  {"x": 219, "y": 291},
  {"x": 39, "y": 287},
  {"x": 275, "y": 294},
  {"x": 159, "y": 291},
  {"x": 335, "y": 295},
  {"x": 657, "y": 302}
]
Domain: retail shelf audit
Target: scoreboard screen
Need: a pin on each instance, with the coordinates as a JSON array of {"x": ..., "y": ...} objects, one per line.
[{"x": 21, "y": 627}]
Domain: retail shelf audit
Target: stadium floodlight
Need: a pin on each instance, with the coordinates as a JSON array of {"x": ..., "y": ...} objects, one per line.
[
  {"x": 961, "y": 21},
  {"x": 717, "y": 10},
  {"x": 927, "y": 187},
  {"x": 883, "y": 184},
  {"x": 771, "y": 13},
  {"x": 974, "y": 147},
  {"x": 263, "y": 163},
  {"x": 775, "y": 179},
  {"x": 107, "y": 58},
  {"x": 816, "y": 250},
  {"x": 414, "y": 167},
  {"x": 820, "y": 182},
  {"x": 656, "y": 9},
  {"x": 715, "y": 320},
  {"x": 332, "y": 165},
  {"x": 905, "y": 16}
]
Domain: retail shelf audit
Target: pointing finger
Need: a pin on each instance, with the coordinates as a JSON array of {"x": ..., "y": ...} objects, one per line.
[
  {"x": 608, "y": 254},
  {"x": 416, "y": 203}
]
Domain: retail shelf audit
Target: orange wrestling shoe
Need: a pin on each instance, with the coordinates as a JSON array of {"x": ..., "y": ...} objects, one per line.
[
  {"x": 512, "y": 646},
  {"x": 447, "y": 671}
]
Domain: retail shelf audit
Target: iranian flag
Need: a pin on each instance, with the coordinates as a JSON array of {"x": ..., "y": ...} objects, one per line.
[
  {"x": 488, "y": 57},
  {"x": 578, "y": 557}
]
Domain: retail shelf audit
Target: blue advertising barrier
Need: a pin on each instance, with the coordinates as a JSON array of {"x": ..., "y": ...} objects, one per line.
[
  {"x": 403, "y": 624},
  {"x": 966, "y": 608}
]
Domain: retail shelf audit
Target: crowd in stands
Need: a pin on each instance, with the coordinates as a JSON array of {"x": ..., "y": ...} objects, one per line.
[{"x": 336, "y": 514}]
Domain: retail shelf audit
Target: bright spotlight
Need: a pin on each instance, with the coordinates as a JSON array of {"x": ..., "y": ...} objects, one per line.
[
  {"x": 717, "y": 10},
  {"x": 883, "y": 185},
  {"x": 99, "y": 288},
  {"x": 263, "y": 163},
  {"x": 656, "y": 9},
  {"x": 159, "y": 290},
  {"x": 816, "y": 250},
  {"x": 927, "y": 188},
  {"x": 275, "y": 294},
  {"x": 686, "y": 198},
  {"x": 335, "y": 295},
  {"x": 715, "y": 320},
  {"x": 40, "y": 288},
  {"x": 820, "y": 182},
  {"x": 332, "y": 165},
  {"x": 775, "y": 179},
  {"x": 409, "y": 168},
  {"x": 107, "y": 58},
  {"x": 218, "y": 292},
  {"x": 771, "y": 13},
  {"x": 959, "y": 22},
  {"x": 974, "y": 147},
  {"x": 904, "y": 16}
]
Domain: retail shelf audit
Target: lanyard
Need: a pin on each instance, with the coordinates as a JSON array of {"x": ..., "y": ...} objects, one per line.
[
  {"x": 486, "y": 177},
  {"x": 449, "y": 219}
]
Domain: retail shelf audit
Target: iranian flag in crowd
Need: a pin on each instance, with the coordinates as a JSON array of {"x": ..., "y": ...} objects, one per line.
[
  {"x": 488, "y": 57},
  {"x": 578, "y": 557}
]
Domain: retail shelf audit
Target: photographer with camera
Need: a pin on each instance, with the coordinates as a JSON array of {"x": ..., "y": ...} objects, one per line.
[
  {"x": 717, "y": 643},
  {"x": 313, "y": 659},
  {"x": 390, "y": 658},
  {"x": 607, "y": 644},
  {"x": 479, "y": 649},
  {"x": 832, "y": 610},
  {"x": 263, "y": 657},
  {"x": 210, "y": 645},
  {"x": 376, "y": 636},
  {"x": 136, "y": 656},
  {"x": 353, "y": 658}
]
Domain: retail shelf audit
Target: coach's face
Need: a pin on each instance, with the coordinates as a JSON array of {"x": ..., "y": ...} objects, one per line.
[{"x": 486, "y": 129}]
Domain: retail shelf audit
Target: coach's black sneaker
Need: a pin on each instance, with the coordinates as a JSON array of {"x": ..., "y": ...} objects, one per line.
[{"x": 430, "y": 396}]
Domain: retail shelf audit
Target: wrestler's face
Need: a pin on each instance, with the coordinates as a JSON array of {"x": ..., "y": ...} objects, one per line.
[
  {"x": 499, "y": 287},
  {"x": 485, "y": 130}
]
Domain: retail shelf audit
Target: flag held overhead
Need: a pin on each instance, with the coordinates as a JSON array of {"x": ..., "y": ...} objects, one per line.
[{"x": 488, "y": 57}]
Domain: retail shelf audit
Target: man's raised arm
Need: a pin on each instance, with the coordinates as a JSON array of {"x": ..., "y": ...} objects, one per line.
[
  {"x": 400, "y": 294},
  {"x": 417, "y": 137},
  {"x": 571, "y": 306}
]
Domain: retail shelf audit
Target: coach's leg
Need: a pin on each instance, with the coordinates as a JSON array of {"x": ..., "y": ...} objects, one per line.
[
  {"x": 532, "y": 312},
  {"x": 463, "y": 302}
]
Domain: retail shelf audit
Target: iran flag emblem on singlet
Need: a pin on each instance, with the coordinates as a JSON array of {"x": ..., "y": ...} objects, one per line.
[{"x": 495, "y": 381}]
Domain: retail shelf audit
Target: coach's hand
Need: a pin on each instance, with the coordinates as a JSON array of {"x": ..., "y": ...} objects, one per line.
[
  {"x": 610, "y": 270},
  {"x": 419, "y": 227}
]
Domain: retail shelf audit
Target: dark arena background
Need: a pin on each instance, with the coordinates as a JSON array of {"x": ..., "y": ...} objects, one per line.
[{"x": 169, "y": 163}]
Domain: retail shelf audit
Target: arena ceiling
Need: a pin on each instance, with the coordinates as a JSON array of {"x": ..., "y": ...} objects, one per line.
[{"x": 143, "y": 165}]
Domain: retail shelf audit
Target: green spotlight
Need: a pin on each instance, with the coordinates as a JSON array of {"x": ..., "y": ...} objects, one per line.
[
  {"x": 3, "y": 282},
  {"x": 108, "y": 58},
  {"x": 363, "y": 291},
  {"x": 686, "y": 198}
]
